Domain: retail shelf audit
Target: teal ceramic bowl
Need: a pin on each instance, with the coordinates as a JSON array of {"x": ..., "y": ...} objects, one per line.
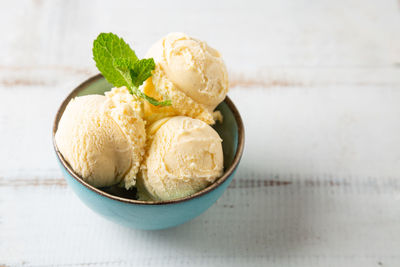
[{"x": 118, "y": 206}]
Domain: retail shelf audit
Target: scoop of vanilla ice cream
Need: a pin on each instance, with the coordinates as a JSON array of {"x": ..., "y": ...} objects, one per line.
[
  {"x": 102, "y": 139},
  {"x": 189, "y": 72},
  {"x": 184, "y": 156}
]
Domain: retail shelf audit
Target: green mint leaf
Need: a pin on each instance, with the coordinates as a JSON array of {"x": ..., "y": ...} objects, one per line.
[
  {"x": 120, "y": 66},
  {"x": 107, "y": 49},
  {"x": 141, "y": 71},
  {"x": 123, "y": 64}
]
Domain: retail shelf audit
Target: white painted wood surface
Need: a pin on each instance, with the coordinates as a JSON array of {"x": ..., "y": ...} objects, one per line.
[{"x": 318, "y": 86}]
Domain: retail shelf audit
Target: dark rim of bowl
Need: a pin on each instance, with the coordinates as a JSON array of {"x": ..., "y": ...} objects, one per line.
[{"x": 218, "y": 182}]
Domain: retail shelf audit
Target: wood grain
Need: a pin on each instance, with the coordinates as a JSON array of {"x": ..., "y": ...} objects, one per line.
[{"x": 318, "y": 87}]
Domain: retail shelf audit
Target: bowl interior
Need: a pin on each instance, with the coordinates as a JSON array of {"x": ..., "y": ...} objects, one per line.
[{"x": 229, "y": 130}]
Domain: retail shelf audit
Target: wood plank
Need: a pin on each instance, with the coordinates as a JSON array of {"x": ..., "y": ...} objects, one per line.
[
  {"x": 250, "y": 36},
  {"x": 302, "y": 223},
  {"x": 311, "y": 131}
]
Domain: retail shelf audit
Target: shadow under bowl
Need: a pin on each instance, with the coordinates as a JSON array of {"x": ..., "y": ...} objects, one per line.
[{"x": 151, "y": 215}]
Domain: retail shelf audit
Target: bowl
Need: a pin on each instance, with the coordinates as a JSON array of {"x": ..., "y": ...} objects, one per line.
[{"x": 152, "y": 215}]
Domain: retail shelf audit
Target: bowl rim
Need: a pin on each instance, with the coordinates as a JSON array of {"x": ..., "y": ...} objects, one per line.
[{"x": 217, "y": 183}]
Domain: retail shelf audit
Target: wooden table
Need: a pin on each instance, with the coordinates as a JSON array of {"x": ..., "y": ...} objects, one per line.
[{"x": 318, "y": 86}]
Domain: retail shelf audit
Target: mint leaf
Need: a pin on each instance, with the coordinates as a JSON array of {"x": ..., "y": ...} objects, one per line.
[
  {"x": 120, "y": 66},
  {"x": 123, "y": 64},
  {"x": 106, "y": 49},
  {"x": 141, "y": 71}
]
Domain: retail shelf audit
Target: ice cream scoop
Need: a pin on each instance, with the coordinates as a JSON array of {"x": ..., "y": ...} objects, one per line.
[
  {"x": 190, "y": 73},
  {"x": 184, "y": 156},
  {"x": 102, "y": 138}
]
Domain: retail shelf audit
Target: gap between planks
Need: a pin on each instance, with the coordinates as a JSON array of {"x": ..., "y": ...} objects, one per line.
[
  {"x": 379, "y": 185},
  {"x": 268, "y": 77}
]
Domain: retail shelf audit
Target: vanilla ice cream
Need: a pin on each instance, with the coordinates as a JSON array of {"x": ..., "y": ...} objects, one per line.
[
  {"x": 190, "y": 73},
  {"x": 184, "y": 156},
  {"x": 103, "y": 138}
]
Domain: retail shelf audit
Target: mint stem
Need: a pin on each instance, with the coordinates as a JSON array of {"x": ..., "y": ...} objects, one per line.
[{"x": 153, "y": 101}]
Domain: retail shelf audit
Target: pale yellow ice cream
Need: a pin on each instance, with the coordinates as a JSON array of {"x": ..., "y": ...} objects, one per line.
[
  {"x": 103, "y": 138},
  {"x": 127, "y": 112},
  {"x": 184, "y": 156},
  {"x": 190, "y": 73}
]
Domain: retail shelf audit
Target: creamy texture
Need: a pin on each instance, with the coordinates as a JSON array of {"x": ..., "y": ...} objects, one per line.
[
  {"x": 102, "y": 138},
  {"x": 184, "y": 156},
  {"x": 126, "y": 110},
  {"x": 190, "y": 73},
  {"x": 121, "y": 95}
]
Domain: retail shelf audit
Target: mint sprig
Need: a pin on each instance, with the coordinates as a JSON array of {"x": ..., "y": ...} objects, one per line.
[{"x": 121, "y": 67}]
